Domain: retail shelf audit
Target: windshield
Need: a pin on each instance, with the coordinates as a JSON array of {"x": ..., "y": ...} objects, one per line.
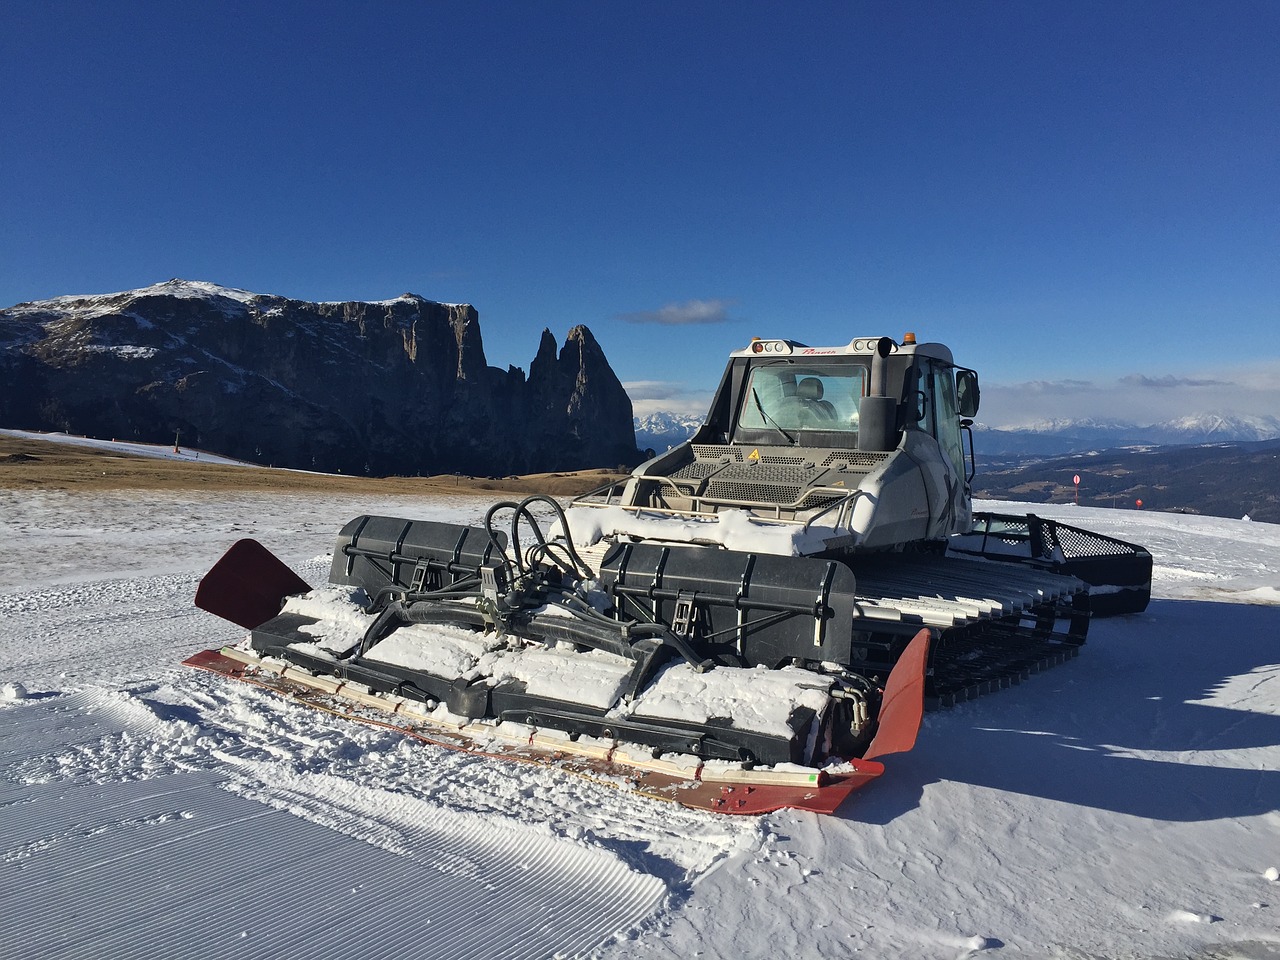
[{"x": 787, "y": 398}]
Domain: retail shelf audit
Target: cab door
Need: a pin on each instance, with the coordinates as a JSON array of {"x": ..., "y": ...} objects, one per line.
[
  {"x": 947, "y": 416},
  {"x": 946, "y": 479}
]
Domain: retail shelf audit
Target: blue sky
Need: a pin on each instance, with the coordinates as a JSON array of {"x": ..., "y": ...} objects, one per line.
[{"x": 1082, "y": 199}]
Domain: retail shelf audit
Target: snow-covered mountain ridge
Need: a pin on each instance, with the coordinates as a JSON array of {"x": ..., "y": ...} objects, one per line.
[
  {"x": 1061, "y": 435},
  {"x": 398, "y": 386},
  {"x": 658, "y": 431},
  {"x": 1065, "y": 435}
]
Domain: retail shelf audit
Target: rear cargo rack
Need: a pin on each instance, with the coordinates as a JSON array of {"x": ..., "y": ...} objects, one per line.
[{"x": 1119, "y": 573}]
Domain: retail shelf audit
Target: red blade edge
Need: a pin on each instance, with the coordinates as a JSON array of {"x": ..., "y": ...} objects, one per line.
[{"x": 902, "y": 706}]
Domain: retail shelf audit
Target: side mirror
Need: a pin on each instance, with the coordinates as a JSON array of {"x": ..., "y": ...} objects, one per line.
[{"x": 967, "y": 392}]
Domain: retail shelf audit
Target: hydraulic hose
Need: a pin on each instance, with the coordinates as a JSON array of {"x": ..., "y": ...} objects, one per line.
[
  {"x": 522, "y": 563},
  {"x": 397, "y": 612},
  {"x": 584, "y": 624},
  {"x": 467, "y": 587}
]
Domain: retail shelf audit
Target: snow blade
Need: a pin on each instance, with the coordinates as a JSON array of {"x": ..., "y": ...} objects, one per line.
[
  {"x": 248, "y": 585},
  {"x": 902, "y": 706},
  {"x": 825, "y": 796},
  {"x": 718, "y": 788}
]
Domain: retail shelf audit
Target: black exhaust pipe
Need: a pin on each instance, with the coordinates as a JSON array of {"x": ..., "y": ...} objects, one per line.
[{"x": 878, "y": 413}]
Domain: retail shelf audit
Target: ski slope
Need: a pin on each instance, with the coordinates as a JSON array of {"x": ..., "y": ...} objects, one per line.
[
  {"x": 1126, "y": 804},
  {"x": 152, "y": 451}
]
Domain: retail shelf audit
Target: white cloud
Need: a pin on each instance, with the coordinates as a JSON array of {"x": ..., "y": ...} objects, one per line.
[
  {"x": 1169, "y": 381},
  {"x": 653, "y": 389},
  {"x": 666, "y": 396},
  {"x": 1142, "y": 398},
  {"x": 683, "y": 314}
]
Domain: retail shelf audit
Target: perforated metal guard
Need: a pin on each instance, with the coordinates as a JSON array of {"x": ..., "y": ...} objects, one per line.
[
  {"x": 752, "y": 492},
  {"x": 767, "y": 473},
  {"x": 856, "y": 458},
  {"x": 1018, "y": 533},
  {"x": 1076, "y": 543},
  {"x": 782, "y": 478},
  {"x": 1071, "y": 542},
  {"x": 705, "y": 451},
  {"x": 793, "y": 461},
  {"x": 698, "y": 470},
  {"x": 815, "y": 500}
]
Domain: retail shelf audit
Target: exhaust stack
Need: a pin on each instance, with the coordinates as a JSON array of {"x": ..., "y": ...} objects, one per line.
[{"x": 878, "y": 413}]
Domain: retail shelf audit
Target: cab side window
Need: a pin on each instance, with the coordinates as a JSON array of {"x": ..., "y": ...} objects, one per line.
[{"x": 947, "y": 414}]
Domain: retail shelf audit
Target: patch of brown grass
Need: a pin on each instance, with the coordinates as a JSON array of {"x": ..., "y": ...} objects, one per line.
[{"x": 49, "y": 465}]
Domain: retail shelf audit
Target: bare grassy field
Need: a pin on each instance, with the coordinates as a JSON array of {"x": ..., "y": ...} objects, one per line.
[{"x": 49, "y": 465}]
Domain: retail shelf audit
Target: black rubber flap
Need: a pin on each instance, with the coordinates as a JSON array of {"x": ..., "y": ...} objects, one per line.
[{"x": 248, "y": 585}]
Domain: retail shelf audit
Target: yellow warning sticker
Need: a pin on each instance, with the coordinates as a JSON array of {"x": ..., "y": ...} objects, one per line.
[{"x": 754, "y": 455}]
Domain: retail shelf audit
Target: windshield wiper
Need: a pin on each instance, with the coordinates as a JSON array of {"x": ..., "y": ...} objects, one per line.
[{"x": 764, "y": 416}]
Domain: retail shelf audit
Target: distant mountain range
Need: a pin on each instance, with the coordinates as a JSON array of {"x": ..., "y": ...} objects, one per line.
[
  {"x": 1054, "y": 437},
  {"x": 658, "y": 431},
  {"x": 1048, "y": 438}
]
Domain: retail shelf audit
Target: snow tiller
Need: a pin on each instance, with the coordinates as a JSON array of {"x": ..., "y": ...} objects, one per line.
[{"x": 746, "y": 623}]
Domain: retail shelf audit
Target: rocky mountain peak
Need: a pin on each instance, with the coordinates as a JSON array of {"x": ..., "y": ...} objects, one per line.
[
  {"x": 392, "y": 386},
  {"x": 546, "y": 357}
]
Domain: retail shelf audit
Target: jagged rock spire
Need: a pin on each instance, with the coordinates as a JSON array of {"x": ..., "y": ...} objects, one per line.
[{"x": 393, "y": 386}]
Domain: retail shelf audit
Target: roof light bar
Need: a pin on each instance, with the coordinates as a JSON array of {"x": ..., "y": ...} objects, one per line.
[{"x": 770, "y": 346}]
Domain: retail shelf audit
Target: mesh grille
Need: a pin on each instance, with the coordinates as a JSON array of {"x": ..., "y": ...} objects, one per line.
[
  {"x": 793, "y": 461},
  {"x": 1082, "y": 543},
  {"x": 1055, "y": 541},
  {"x": 856, "y": 458},
  {"x": 698, "y": 470},
  {"x": 1017, "y": 534},
  {"x": 714, "y": 452},
  {"x": 752, "y": 492},
  {"x": 814, "y": 500},
  {"x": 768, "y": 473}
]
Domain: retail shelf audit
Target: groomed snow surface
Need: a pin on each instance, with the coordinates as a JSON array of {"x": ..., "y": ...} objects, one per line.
[
  {"x": 1123, "y": 805},
  {"x": 152, "y": 451}
]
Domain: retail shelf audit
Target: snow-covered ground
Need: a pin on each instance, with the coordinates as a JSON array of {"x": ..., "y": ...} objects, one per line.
[
  {"x": 153, "y": 451},
  {"x": 1126, "y": 804}
]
